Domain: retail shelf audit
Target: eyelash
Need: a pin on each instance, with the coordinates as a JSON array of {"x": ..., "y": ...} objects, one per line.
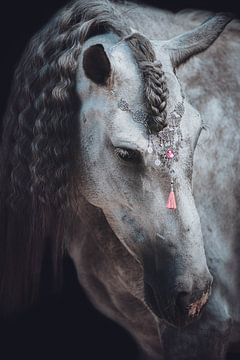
[{"x": 128, "y": 155}]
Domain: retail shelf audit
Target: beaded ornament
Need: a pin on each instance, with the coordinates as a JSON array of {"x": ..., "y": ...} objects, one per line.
[{"x": 170, "y": 140}]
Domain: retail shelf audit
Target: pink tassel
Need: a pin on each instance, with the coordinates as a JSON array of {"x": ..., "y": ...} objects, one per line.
[{"x": 171, "y": 203}]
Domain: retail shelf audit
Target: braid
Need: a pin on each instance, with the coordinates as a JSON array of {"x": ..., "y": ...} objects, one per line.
[
  {"x": 155, "y": 87},
  {"x": 58, "y": 102}
]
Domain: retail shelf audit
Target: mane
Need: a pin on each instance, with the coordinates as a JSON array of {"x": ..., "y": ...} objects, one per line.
[{"x": 38, "y": 172}]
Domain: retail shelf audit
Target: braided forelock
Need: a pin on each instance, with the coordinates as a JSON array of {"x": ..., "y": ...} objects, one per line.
[{"x": 155, "y": 87}]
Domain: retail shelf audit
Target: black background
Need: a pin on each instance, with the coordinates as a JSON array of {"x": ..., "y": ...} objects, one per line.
[{"x": 63, "y": 325}]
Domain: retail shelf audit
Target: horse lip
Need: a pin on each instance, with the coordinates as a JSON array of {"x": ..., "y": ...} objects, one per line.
[{"x": 195, "y": 308}]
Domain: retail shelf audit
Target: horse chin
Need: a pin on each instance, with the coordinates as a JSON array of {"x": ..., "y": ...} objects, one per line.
[
  {"x": 176, "y": 323},
  {"x": 180, "y": 321}
]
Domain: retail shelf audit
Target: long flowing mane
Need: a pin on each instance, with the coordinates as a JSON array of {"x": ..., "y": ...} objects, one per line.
[{"x": 38, "y": 156}]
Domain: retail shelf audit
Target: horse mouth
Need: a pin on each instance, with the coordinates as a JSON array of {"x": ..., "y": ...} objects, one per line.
[
  {"x": 170, "y": 313},
  {"x": 194, "y": 309}
]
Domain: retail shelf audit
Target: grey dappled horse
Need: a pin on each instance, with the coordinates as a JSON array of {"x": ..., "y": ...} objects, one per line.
[{"x": 104, "y": 120}]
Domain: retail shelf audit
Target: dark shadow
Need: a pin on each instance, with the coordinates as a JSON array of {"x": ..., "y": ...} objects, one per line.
[{"x": 64, "y": 326}]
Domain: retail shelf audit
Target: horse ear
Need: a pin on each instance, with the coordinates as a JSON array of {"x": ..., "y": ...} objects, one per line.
[
  {"x": 184, "y": 46},
  {"x": 96, "y": 64}
]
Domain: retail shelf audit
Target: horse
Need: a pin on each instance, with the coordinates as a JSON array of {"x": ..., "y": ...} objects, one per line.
[{"x": 120, "y": 146}]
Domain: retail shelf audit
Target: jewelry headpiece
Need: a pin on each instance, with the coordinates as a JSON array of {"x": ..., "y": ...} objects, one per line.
[{"x": 169, "y": 140}]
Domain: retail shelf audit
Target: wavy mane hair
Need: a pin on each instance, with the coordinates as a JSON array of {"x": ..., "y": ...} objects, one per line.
[{"x": 38, "y": 172}]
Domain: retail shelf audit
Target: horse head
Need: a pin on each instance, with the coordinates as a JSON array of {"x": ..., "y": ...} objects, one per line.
[{"x": 138, "y": 135}]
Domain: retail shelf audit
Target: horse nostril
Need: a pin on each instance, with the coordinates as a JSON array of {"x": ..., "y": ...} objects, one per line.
[{"x": 183, "y": 300}]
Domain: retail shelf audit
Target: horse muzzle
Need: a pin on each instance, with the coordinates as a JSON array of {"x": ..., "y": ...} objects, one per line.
[{"x": 180, "y": 307}]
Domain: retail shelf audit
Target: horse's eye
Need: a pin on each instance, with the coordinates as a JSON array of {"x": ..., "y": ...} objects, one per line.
[{"x": 128, "y": 154}]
